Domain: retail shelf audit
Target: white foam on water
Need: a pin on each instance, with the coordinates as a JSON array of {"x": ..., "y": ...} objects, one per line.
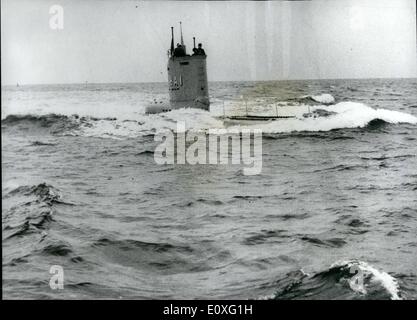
[
  {"x": 382, "y": 277},
  {"x": 193, "y": 119},
  {"x": 348, "y": 115},
  {"x": 324, "y": 98},
  {"x": 128, "y": 109}
]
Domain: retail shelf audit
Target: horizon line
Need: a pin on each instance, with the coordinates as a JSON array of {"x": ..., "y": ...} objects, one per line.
[{"x": 143, "y": 82}]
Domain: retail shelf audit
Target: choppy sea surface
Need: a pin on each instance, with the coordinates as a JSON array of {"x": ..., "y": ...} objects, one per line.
[{"x": 336, "y": 198}]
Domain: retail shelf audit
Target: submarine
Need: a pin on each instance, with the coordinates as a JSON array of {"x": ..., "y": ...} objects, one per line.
[
  {"x": 187, "y": 79},
  {"x": 188, "y": 85}
]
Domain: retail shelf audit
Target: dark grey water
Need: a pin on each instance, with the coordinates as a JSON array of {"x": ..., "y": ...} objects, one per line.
[{"x": 81, "y": 189}]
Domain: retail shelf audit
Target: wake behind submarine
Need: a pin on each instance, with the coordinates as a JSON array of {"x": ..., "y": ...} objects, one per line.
[{"x": 187, "y": 79}]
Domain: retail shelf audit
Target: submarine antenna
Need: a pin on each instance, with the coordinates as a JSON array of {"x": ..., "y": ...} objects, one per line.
[
  {"x": 172, "y": 41},
  {"x": 194, "y": 41},
  {"x": 182, "y": 40}
]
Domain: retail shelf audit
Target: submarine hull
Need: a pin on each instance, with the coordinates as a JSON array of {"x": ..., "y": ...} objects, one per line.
[{"x": 160, "y": 107}]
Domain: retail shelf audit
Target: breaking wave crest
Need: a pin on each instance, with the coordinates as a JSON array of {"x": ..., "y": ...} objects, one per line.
[
  {"x": 324, "y": 98},
  {"x": 353, "y": 279},
  {"x": 53, "y": 123},
  {"x": 306, "y": 119},
  {"x": 342, "y": 115}
]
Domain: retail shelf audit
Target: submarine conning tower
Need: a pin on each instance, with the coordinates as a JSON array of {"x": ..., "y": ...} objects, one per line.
[{"x": 187, "y": 78}]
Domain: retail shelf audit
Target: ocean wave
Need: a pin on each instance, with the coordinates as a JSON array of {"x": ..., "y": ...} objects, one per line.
[
  {"x": 320, "y": 118},
  {"x": 266, "y": 236},
  {"x": 331, "y": 242},
  {"x": 324, "y": 98},
  {"x": 43, "y": 192},
  {"x": 352, "y": 279},
  {"x": 30, "y": 209},
  {"x": 146, "y": 246},
  {"x": 58, "y": 249},
  {"x": 347, "y": 115},
  {"x": 56, "y": 124},
  {"x": 42, "y": 120},
  {"x": 373, "y": 275},
  {"x": 38, "y": 143},
  {"x": 159, "y": 257}
]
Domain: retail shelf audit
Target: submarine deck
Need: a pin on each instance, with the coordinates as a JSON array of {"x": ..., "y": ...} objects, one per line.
[{"x": 258, "y": 118}]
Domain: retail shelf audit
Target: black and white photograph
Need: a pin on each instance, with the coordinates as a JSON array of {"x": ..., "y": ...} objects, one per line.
[{"x": 209, "y": 150}]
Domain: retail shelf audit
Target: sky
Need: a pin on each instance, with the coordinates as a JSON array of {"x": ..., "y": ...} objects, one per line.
[{"x": 127, "y": 41}]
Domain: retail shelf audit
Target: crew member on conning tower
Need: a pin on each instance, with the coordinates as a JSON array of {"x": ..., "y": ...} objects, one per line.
[
  {"x": 200, "y": 50},
  {"x": 179, "y": 51}
]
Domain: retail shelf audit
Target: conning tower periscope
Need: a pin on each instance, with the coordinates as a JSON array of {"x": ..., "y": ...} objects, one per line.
[{"x": 187, "y": 79}]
